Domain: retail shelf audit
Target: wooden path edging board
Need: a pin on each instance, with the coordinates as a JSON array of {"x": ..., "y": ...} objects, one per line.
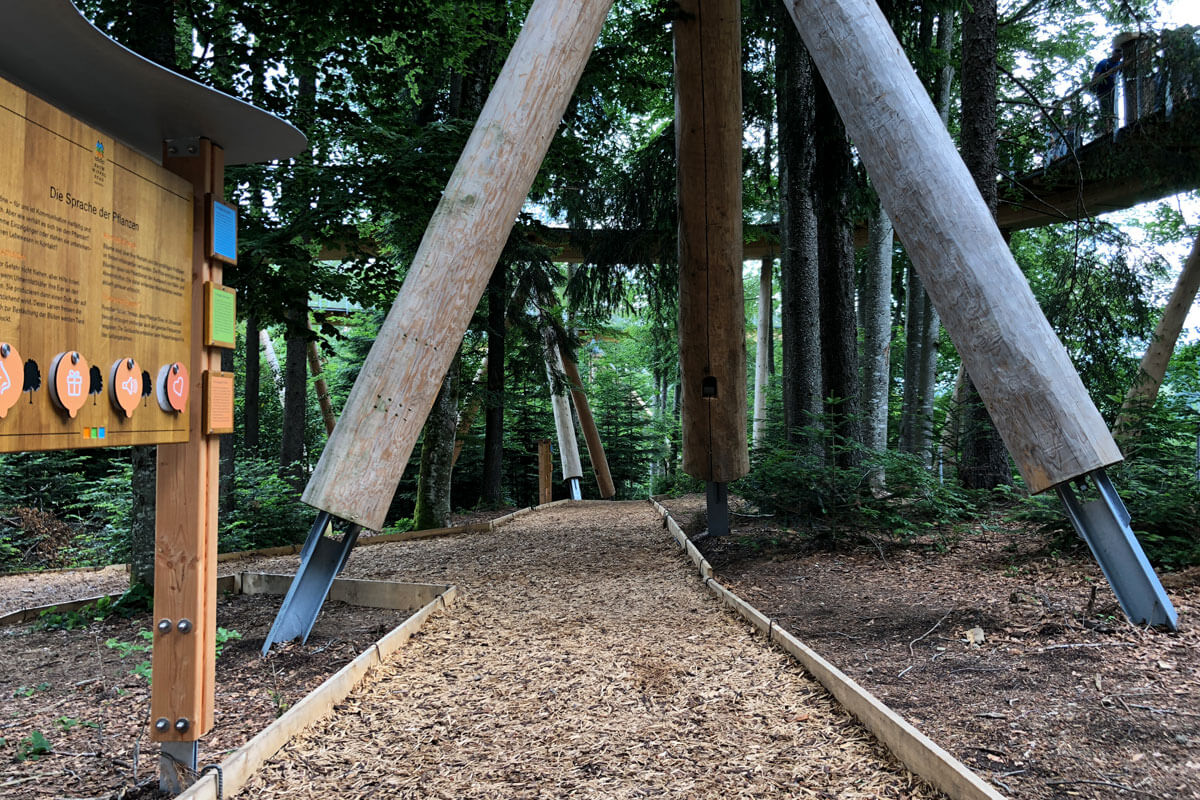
[
  {"x": 239, "y": 766},
  {"x": 914, "y": 749},
  {"x": 373, "y": 594},
  {"x": 223, "y": 585}
]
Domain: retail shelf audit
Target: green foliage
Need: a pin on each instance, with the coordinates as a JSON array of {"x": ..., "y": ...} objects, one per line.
[
  {"x": 33, "y": 747},
  {"x": 30, "y": 691},
  {"x": 105, "y": 510},
  {"x": 791, "y": 480},
  {"x": 266, "y": 510},
  {"x": 136, "y": 599},
  {"x": 1158, "y": 483},
  {"x": 224, "y": 636},
  {"x": 146, "y": 645},
  {"x": 67, "y": 724}
]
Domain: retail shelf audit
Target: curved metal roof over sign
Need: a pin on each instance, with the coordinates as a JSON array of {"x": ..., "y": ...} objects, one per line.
[{"x": 49, "y": 49}]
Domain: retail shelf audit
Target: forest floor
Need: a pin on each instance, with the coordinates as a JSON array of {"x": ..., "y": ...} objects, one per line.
[
  {"x": 1062, "y": 698},
  {"x": 583, "y": 658}
]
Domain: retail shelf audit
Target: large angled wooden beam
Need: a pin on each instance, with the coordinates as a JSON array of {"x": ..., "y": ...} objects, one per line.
[
  {"x": 1035, "y": 396},
  {"x": 365, "y": 457}
]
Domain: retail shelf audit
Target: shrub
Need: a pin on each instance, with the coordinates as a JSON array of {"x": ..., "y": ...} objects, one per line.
[
  {"x": 796, "y": 481},
  {"x": 266, "y": 510}
]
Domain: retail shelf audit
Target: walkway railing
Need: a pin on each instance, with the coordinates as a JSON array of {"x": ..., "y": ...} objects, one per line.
[{"x": 1158, "y": 73}]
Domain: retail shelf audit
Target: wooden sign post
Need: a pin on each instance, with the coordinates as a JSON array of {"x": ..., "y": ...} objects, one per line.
[
  {"x": 712, "y": 342},
  {"x": 185, "y": 563},
  {"x": 545, "y": 473},
  {"x": 110, "y": 302}
]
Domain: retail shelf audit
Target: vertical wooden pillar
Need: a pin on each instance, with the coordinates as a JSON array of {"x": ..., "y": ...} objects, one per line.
[
  {"x": 365, "y": 457},
  {"x": 185, "y": 560},
  {"x": 712, "y": 343},
  {"x": 591, "y": 436},
  {"x": 1023, "y": 373},
  {"x": 545, "y": 473}
]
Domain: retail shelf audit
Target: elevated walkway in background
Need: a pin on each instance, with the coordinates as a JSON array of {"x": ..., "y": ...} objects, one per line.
[
  {"x": 1111, "y": 150},
  {"x": 1103, "y": 153}
]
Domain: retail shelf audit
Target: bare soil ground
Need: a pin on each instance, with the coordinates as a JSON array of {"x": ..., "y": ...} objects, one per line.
[
  {"x": 80, "y": 694},
  {"x": 1063, "y": 698}
]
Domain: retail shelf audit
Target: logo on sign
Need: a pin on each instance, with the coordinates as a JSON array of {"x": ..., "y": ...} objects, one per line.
[
  {"x": 74, "y": 383},
  {"x": 131, "y": 387}
]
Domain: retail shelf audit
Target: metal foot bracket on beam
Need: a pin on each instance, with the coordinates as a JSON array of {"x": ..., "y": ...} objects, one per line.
[
  {"x": 717, "y": 495},
  {"x": 1103, "y": 522},
  {"x": 321, "y": 559}
]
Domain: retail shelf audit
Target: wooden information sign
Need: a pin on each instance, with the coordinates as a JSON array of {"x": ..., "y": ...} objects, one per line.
[
  {"x": 95, "y": 280},
  {"x": 220, "y": 315},
  {"x": 222, "y": 231},
  {"x": 218, "y": 402}
]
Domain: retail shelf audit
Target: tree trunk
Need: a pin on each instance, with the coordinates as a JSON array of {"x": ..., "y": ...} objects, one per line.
[
  {"x": 295, "y": 399},
  {"x": 764, "y": 344},
  {"x": 927, "y": 358},
  {"x": 493, "y": 437},
  {"x": 909, "y": 423},
  {"x": 466, "y": 417},
  {"x": 268, "y": 350},
  {"x": 141, "y": 537},
  {"x": 984, "y": 457},
  {"x": 251, "y": 399},
  {"x": 877, "y": 329},
  {"x": 834, "y": 181},
  {"x": 922, "y": 323},
  {"x": 1162, "y": 344},
  {"x": 799, "y": 304},
  {"x": 437, "y": 456}
]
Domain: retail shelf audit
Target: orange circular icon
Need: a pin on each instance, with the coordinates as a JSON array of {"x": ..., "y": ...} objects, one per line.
[
  {"x": 70, "y": 381},
  {"x": 125, "y": 385},
  {"x": 173, "y": 387},
  {"x": 12, "y": 377}
]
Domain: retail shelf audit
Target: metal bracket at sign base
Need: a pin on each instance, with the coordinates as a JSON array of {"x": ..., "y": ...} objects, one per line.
[
  {"x": 1104, "y": 525},
  {"x": 177, "y": 766},
  {"x": 321, "y": 559}
]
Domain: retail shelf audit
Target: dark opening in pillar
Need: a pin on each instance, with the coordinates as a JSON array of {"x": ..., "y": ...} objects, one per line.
[{"x": 708, "y": 387}]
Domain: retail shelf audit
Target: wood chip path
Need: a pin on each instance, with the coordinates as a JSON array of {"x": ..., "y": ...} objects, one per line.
[{"x": 583, "y": 659}]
